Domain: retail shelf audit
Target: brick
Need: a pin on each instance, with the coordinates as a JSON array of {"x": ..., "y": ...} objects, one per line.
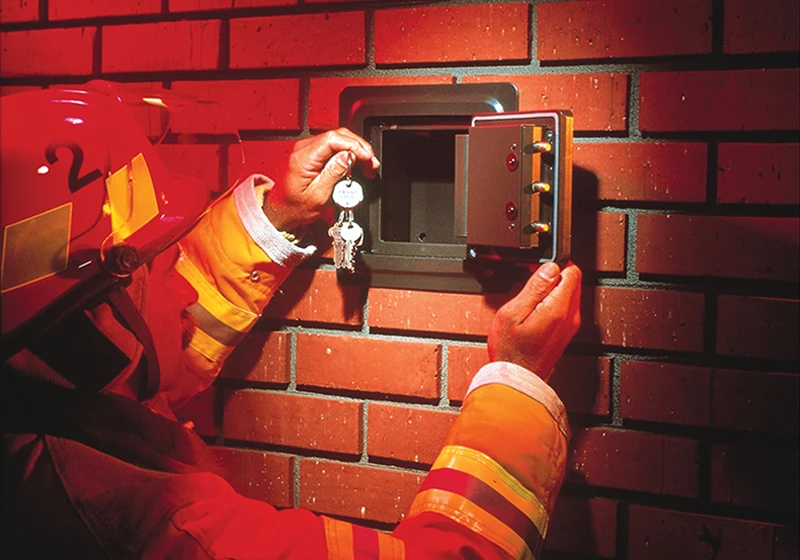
[
  {"x": 330, "y": 39},
  {"x": 262, "y": 357},
  {"x": 268, "y": 477},
  {"x": 19, "y": 10},
  {"x": 740, "y": 400},
  {"x": 755, "y": 327},
  {"x": 404, "y": 433},
  {"x": 201, "y": 411},
  {"x": 581, "y": 382},
  {"x": 253, "y": 104},
  {"x": 635, "y": 318},
  {"x": 463, "y": 362},
  {"x": 597, "y": 101},
  {"x": 11, "y": 90},
  {"x": 268, "y": 157},
  {"x": 765, "y": 26},
  {"x": 581, "y": 526},
  {"x": 718, "y": 246},
  {"x": 755, "y": 476},
  {"x": 755, "y": 401},
  {"x": 350, "y": 490},
  {"x": 668, "y": 393},
  {"x": 657, "y": 534},
  {"x": 452, "y": 34},
  {"x": 42, "y": 52},
  {"x": 407, "y": 310},
  {"x": 598, "y": 240},
  {"x": 681, "y": 468},
  {"x": 368, "y": 365},
  {"x": 69, "y": 9},
  {"x": 758, "y": 173},
  {"x": 719, "y": 100},
  {"x": 633, "y": 461},
  {"x": 646, "y": 171},
  {"x": 198, "y": 5},
  {"x": 155, "y": 114},
  {"x": 323, "y": 96},
  {"x": 201, "y": 161},
  {"x": 165, "y": 46},
  {"x": 288, "y": 420},
  {"x": 623, "y": 29},
  {"x": 316, "y": 297}
]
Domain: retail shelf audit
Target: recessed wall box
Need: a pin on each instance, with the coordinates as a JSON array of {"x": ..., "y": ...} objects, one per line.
[{"x": 468, "y": 187}]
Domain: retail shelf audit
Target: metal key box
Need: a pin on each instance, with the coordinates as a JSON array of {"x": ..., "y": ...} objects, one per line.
[{"x": 469, "y": 188}]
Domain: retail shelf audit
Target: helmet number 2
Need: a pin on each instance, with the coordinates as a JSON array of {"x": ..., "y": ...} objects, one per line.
[{"x": 75, "y": 181}]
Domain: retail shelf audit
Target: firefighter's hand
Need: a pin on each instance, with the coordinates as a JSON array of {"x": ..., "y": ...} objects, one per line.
[
  {"x": 533, "y": 329},
  {"x": 316, "y": 164}
]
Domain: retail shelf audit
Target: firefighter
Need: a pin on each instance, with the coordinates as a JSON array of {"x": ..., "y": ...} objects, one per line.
[{"x": 123, "y": 291}]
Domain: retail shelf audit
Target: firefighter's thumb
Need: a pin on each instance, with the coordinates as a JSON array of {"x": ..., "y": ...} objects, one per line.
[{"x": 336, "y": 168}]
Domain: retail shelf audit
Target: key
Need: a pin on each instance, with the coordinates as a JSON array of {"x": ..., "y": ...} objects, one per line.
[
  {"x": 335, "y": 233},
  {"x": 352, "y": 232},
  {"x": 352, "y": 236},
  {"x": 346, "y": 234}
]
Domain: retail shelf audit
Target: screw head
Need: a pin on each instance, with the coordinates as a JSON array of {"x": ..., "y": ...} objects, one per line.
[
  {"x": 512, "y": 162},
  {"x": 511, "y": 211}
]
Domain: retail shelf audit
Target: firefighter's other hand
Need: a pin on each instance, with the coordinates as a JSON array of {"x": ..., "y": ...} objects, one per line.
[
  {"x": 533, "y": 329},
  {"x": 316, "y": 164}
]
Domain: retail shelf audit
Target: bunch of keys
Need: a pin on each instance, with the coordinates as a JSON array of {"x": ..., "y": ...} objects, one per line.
[{"x": 346, "y": 234}]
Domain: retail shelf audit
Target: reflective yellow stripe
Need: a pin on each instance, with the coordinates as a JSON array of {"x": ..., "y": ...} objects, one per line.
[
  {"x": 207, "y": 346},
  {"x": 212, "y": 326},
  {"x": 341, "y": 543},
  {"x": 132, "y": 198},
  {"x": 466, "y": 513},
  {"x": 390, "y": 548},
  {"x": 339, "y": 538},
  {"x": 224, "y": 311},
  {"x": 486, "y": 469},
  {"x": 36, "y": 248}
]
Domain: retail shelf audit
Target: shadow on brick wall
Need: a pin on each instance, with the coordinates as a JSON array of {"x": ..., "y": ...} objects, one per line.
[{"x": 573, "y": 528}]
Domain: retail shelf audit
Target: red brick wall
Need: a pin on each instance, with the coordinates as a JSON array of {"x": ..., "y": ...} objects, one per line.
[{"x": 682, "y": 384}]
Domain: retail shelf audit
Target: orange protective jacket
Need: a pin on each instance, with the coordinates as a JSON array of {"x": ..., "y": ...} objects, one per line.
[{"x": 114, "y": 479}]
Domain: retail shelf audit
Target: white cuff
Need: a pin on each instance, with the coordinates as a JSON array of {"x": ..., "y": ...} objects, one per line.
[
  {"x": 527, "y": 383},
  {"x": 261, "y": 230}
]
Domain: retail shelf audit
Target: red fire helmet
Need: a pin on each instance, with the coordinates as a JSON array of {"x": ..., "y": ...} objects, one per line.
[{"x": 86, "y": 200}]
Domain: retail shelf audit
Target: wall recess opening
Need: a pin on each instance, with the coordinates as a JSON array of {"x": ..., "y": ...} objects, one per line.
[{"x": 412, "y": 213}]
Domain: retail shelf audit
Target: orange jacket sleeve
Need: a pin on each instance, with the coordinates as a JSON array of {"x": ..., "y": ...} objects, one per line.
[
  {"x": 502, "y": 464},
  {"x": 235, "y": 260},
  {"x": 489, "y": 494}
]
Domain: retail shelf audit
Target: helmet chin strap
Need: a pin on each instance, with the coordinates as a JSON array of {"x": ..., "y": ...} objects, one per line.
[{"x": 122, "y": 302}]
